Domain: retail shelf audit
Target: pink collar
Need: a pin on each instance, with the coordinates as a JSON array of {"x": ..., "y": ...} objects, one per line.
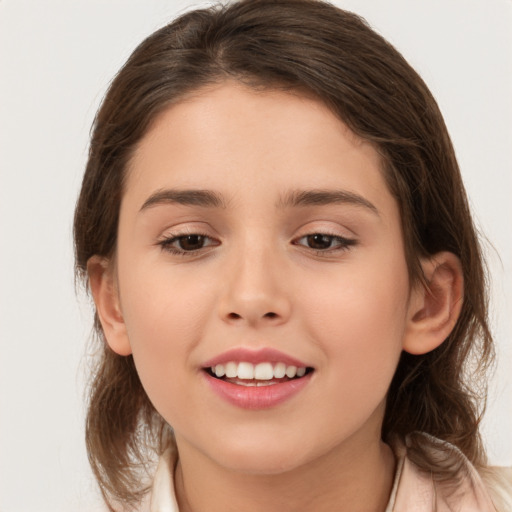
[{"x": 413, "y": 490}]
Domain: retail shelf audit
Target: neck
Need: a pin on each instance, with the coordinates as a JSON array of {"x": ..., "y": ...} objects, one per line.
[{"x": 358, "y": 475}]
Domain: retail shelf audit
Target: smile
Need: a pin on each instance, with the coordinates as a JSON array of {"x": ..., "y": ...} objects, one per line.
[
  {"x": 261, "y": 374},
  {"x": 256, "y": 380}
]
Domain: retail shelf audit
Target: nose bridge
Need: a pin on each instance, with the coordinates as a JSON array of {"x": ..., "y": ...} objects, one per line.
[{"x": 254, "y": 291}]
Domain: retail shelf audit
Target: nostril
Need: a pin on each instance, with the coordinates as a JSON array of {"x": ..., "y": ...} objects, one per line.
[{"x": 237, "y": 316}]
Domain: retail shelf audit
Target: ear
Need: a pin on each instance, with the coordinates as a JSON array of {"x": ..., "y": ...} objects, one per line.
[
  {"x": 434, "y": 307},
  {"x": 104, "y": 290}
]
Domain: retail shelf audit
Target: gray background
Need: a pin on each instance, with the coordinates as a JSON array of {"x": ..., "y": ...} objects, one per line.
[{"x": 56, "y": 59}]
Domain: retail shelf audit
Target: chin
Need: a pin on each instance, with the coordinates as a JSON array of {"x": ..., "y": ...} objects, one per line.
[
  {"x": 262, "y": 463},
  {"x": 257, "y": 456}
]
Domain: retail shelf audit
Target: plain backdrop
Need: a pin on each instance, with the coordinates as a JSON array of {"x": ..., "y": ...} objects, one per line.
[{"x": 56, "y": 59}]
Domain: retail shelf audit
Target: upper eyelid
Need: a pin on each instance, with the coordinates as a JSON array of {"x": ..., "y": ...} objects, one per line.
[
  {"x": 329, "y": 225},
  {"x": 324, "y": 233},
  {"x": 166, "y": 244},
  {"x": 344, "y": 233},
  {"x": 172, "y": 238},
  {"x": 345, "y": 241},
  {"x": 177, "y": 232},
  {"x": 187, "y": 232},
  {"x": 176, "y": 236}
]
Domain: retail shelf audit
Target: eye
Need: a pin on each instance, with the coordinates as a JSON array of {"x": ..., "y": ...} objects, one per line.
[
  {"x": 187, "y": 243},
  {"x": 323, "y": 242}
]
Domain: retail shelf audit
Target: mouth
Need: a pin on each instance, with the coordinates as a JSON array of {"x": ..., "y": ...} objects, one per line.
[
  {"x": 259, "y": 379},
  {"x": 244, "y": 373}
]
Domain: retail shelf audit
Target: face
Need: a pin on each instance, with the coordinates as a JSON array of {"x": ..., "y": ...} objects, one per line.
[{"x": 257, "y": 235}]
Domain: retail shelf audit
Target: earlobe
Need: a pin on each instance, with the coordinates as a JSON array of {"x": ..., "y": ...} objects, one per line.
[
  {"x": 435, "y": 307},
  {"x": 104, "y": 291}
]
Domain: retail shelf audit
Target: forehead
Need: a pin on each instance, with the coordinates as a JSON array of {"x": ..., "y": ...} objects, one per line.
[{"x": 229, "y": 137}]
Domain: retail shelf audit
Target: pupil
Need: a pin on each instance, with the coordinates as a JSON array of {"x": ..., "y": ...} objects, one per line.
[
  {"x": 191, "y": 242},
  {"x": 319, "y": 241}
]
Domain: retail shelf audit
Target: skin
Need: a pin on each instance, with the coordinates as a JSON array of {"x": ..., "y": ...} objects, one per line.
[{"x": 346, "y": 309}]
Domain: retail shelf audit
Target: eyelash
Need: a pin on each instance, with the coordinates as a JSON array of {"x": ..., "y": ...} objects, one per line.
[
  {"x": 344, "y": 244},
  {"x": 166, "y": 244}
]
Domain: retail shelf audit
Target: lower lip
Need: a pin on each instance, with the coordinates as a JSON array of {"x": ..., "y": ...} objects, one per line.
[{"x": 257, "y": 397}]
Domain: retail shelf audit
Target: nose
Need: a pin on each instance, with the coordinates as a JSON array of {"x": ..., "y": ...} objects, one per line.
[{"x": 256, "y": 291}]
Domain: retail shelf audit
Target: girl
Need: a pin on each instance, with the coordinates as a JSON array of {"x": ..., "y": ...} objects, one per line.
[{"x": 288, "y": 285}]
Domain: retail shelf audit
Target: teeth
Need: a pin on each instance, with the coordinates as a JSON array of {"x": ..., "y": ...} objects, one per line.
[
  {"x": 253, "y": 383},
  {"x": 301, "y": 372},
  {"x": 231, "y": 370},
  {"x": 279, "y": 370},
  {"x": 291, "y": 371},
  {"x": 245, "y": 371},
  {"x": 219, "y": 370},
  {"x": 263, "y": 371},
  {"x": 260, "y": 372}
]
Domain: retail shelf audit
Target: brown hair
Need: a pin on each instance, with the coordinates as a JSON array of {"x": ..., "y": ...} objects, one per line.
[{"x": 309, "y": 46}]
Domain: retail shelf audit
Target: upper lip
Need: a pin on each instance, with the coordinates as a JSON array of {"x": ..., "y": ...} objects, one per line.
[{"x": 255, "y": 356}]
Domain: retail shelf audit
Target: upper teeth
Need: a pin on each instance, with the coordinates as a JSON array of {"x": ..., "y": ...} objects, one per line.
[{"x": 260, "y": 371}]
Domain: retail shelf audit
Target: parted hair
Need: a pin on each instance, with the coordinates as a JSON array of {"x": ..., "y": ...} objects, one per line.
[{"x": 321, "y": 50}]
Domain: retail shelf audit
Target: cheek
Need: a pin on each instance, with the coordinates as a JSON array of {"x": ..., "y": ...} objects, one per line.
[
  {"x": 165, "y": 316},
  {"x": 162, "y": 301},
  {"x": 358, "y": 298},
  {"x": 358, "y": 318}
]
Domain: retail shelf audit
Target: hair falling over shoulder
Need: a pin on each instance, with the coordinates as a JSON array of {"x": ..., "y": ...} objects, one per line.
[{"x": 311, "y": 47}]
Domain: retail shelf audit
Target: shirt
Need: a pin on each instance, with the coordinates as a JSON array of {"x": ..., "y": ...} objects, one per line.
[{"x": 413, "y": 490}]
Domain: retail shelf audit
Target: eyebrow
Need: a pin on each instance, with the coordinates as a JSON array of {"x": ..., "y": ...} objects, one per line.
[
  {"x": 293, "y": 199},
  {"x": 322, "y": 197},
  {"x": 203, "y": 198}
]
